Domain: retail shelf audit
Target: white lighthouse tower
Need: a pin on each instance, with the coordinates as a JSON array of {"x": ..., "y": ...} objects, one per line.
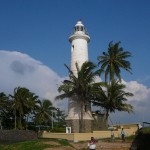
[{"x": 79, "y": 54}]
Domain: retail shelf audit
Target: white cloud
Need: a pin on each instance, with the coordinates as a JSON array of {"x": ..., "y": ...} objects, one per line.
[
  {"x": 19, "y": 69},
  {"x": 140, "y": 100},
  {"x": 141, "y": 92}
]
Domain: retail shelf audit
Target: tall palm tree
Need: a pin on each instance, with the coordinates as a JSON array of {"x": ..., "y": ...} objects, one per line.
[
  {"x": 113, "y": 60},
  {"x": 24, "y": 102},
  {"x": 79, "y": 86},
  {"x": 113, "y": 97},
  {"x": 43, "y": 113}
]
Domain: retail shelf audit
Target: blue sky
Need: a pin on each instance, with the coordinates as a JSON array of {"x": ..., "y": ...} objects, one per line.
[{"x": 40, "y": 29}]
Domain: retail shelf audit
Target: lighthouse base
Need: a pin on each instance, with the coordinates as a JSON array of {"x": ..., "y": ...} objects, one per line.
[{"x": 76, "y": 123}]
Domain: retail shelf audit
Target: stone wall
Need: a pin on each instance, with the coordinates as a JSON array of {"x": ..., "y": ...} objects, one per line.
[{"x": 9, "y": 136}]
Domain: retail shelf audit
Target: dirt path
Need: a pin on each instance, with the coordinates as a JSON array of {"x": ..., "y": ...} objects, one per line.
[
  {"x": 106, "y": 146},
  {"x": 100, "y": 146}
]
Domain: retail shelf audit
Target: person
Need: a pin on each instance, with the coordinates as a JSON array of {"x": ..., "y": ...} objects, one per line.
[
  {"x": 122, "y": 135},
  {"x": 92, "y": 144},
  {"x": 112, "y": 135},
  {"x": 139, "y": 127}
]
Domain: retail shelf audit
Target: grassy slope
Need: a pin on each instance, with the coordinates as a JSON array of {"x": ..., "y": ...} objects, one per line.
[{"x": 33, "y": 145}]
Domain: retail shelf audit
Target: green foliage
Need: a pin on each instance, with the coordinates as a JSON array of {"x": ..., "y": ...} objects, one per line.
[
  {"x": 58, "y": 130},
  {"x": 80, "y": 86},
  {"x": 113, "y": 61},
  {"x": 43, "y": 112},
  {"x": 143, "y": 138},
  {"x": 146, "y": 130},
  {"x": 130, "y": 138},
  {"x": 113, "y": 97},
  {"x": 23, "y": 103},
  {"x": 24, "y": 110}
]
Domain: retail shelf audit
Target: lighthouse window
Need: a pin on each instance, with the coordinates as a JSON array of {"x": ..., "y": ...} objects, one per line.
[
  {"x": 81, "y": 28},
  {"x": 77, "y": 28},
  {"x": 72, "y": 48}
]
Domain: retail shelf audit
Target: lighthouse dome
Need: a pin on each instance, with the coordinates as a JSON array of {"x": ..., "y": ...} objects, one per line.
[
  {"x": 79, "y": 32},
  {"x": 79, "y": 23},
  {"x": 79, "y": 27}
]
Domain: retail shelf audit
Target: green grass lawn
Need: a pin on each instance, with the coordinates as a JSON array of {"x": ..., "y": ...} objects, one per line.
[{"x": 34, "y": 145}]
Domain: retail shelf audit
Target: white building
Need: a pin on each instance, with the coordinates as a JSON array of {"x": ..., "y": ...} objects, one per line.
[{"x": 79, "y": 54}]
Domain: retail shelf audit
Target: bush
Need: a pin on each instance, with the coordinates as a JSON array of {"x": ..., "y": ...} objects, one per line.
[
  {"x": 58, "y": 130},
  {"x": 143, "y": 139}
]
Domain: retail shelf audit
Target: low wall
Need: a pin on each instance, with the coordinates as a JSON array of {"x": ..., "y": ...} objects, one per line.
[
  {"x": 67, "y": 136},
  {"x": 17, "y": 135},
  {"x": 86, "y": 136}
]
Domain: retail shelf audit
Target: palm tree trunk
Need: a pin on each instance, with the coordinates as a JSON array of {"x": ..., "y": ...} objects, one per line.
[
  {"x": 20, "y": 122},
  {"x": 107, "y": 115},
  {"x": 15, "y": 119},
  {"x": 81, "y": 119}
]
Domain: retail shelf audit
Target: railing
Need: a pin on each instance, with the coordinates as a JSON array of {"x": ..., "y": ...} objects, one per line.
[{"x": 146, "y": 124}]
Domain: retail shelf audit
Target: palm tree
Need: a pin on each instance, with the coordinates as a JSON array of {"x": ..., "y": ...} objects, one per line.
[
  {"x": 113, "y": 97},
  {"x": 44, "y": 112},
  {"x": 79, "y": 86},
  {"x": 24, "y": 102},
  {"x": 4, "y": 101},
  {"x": 60, "y": 118},
  {"x": 112, "y": 61}
]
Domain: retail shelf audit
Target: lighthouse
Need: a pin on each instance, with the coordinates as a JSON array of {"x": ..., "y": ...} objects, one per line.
[{"x": 79, "y": 54}]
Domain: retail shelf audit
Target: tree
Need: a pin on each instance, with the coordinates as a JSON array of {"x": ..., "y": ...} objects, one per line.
[
  {"x": 60, "y": 118},
  {"x": 4, "y": 101},
  {"x": 44, "y": 112},
  {"x": 113, "y": 60},
  {"x": 24, "y": 102},
  {"x": 113, "y": 97},
  {"x": 79, "y": 86}
]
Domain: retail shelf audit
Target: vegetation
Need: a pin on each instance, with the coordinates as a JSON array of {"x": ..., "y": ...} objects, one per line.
[
  {"x": 79, "y": 87},
  {"x": 40, "y": 144},
  {"x": 113, "y": 60},
  {"x": 142, "y": 139},
  {"x": 113, "y": 97},
  {"x": 109, "y": 95},
  {"x": 24, "y": 110},
  {"x": 44, "y": 112},
  {"x": 23, "y": 103}
]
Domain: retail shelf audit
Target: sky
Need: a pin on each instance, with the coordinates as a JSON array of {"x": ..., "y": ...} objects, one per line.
[{"x": 34, "y": 45}]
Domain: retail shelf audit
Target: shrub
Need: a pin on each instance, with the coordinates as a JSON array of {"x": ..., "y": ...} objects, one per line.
[{"x": 58, "y": 130}]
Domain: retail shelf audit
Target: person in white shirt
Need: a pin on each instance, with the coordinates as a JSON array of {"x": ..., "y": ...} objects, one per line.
[
  {"x": 92, "y": 144},
  {"x": 139, "y": 126},
  {"x": 122, "y": 135}
]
